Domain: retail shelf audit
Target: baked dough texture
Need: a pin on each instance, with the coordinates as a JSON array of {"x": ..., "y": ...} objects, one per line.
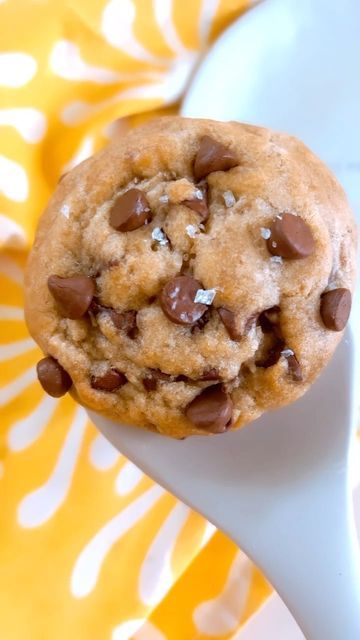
[{"x": 212, "y": 217}]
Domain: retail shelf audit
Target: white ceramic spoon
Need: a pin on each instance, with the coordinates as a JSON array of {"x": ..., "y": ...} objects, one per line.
[{"x": 280, "y": 487}]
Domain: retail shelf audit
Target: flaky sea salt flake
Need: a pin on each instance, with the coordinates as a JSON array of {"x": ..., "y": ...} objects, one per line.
[
  {"x": 192, "y": 231},
  {"x": 277, "y": 259},
  {"x": 164, "y": 199},
  {"x": 198, "y": 194},
  {"x": 265, "y": 233},
  {"x": 205, "y": 296},
  {"x": 229, "y": 198},
  {"x": 65, "y": 210},
  {"x": 159, "y": 235},
  {"x": 287, "y": 353}
]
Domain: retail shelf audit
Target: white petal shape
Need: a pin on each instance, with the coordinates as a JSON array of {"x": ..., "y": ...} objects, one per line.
[
  {"x": 156, "y": 575},
  {"x": 12, "y": 235},
  {"x": 24, "y": 432},
  {"x": 8, "y": 312},
  {"x": 30, "y": 123},
  {"x": 163, "y": 10},
  {"x": 16, "y": 69},
  {"x": 40, "y": 505},
  {"x": 117, "y": 27},
  {"x": 88, "y": 565},
  {"x": 148, "y": 631},
  {"x": 102, "y": 454},
  {"x": 13, "y": 180},
  {"x": 208, "y": 11},
  {"x": 84, "y": 151},
  {"x": 15, "y": 387},
  {"x": 126, "y": 630},
  {"x": 128, "y": 478},
  {"x": 210, "y": 529},
  {"x": 221, "y": 615},
  {"x": 66, "y": 62},
  {"x": 13, "y": 349},
  {"x": 11, "y": 270},
  {"x": 78, "y": 111}
]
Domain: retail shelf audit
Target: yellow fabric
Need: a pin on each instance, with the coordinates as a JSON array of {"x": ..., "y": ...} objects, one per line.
[{"x": 90, "y": 548}]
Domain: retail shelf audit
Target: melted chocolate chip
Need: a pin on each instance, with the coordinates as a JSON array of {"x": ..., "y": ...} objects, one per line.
[
  {"x": 250, "y": 322},
  {"x": 213, "y": 156},
  {"x": 291, "y": 237},
  {"x": 335, "y": 306},
  {"x": 182, "y": 378},
  {"x": 201, "y": 323},
  {"x": 72, "y": 295},
  {"x": 294, "y": 368},
  {"x": 177, "y": 300},
  {"x": 130, "y": 211},
  {"x": 150, "y": 381},
  {"x": 125, "y": 321},
  {"x": 272, "y": 356},
  {"x": 112, "y": 380},
  {"x": 53, "y": 377},
  {"x": 211, "y": 410},
  {"x": 228, "y": 319},
  {"x": 210, "y": 374},
  {"x": 269, "y": 319},
  {"x": 199, "y": 206}
]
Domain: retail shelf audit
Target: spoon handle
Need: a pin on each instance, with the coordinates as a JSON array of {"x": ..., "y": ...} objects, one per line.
[{"x": 309, "y": 551}]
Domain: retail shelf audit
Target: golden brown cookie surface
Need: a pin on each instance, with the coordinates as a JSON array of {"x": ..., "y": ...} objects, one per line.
[{"x": 189, "y": 255}]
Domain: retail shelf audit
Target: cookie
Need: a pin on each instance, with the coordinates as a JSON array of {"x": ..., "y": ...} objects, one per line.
[{"x": 191, "y": 276}]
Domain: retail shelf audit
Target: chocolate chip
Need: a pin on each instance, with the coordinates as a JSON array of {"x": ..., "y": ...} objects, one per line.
[
  {"x": 335, "y": 306},
  {"x": 112, "y": 380},
  {"x": 72, "y": 295},
  {"x": 199, "y": 206},
  {"x": 212, "y": 156},
  {"x": 130, "y": 211},
  {"x": 125, "y": 321},
  {"x": 95, "y": 307},
  {"x": 113, "y": 263},
  {"x": 150, "y": 381},
  {"x": 250, "y": 322},
  {"x": 53, "y": 377},
  {"x": 272, "y": 356},
  {"x": 269, "y": 319},
  {"x": 201, "y": 323},
  {"x": 228, "y": 319},
  {"x": 177, "y": 300},
  {"x": 291, "y": 237},
  {"x": 210, "y": 374},
  {"x": 211, "y": 410},
  {"x": 294, "y": 368}
]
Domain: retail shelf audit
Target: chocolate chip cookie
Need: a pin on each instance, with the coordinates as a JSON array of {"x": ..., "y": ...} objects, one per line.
[{"x": 191, "y": 276}]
